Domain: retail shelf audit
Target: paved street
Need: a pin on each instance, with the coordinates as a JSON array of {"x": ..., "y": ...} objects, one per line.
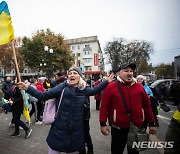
[{"x": 37, "y": 142}]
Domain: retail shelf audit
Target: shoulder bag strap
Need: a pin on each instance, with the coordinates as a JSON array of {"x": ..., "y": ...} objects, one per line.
[
  {"x": 124, "y": 100},
  {"x": 62, "y": 93}
]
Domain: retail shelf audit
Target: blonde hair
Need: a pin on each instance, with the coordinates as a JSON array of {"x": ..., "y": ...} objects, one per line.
[{"x": 82, "y": 84}]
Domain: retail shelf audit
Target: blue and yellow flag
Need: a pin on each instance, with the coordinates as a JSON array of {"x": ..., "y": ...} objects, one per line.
[{"x": 6, "y": 28}]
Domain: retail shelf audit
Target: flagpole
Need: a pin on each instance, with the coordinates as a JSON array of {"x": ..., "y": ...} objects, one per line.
[{"x": 15, "y": 61}]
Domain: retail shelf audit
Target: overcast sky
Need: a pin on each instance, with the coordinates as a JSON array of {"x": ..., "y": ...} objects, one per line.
[{"x": 157, "y": 21}]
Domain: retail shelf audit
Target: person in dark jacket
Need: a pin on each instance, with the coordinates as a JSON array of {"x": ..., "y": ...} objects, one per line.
[
  {"x": 16, "y": 100},
  {"x": 87, "y": 136},
  {"x": 59, "y": 79},
  {"x": 66, "y": 133},
  {"x": 6, "y": 87},
  {"x": 112, "y": 105},
  {"x": 175, "y": 91}
]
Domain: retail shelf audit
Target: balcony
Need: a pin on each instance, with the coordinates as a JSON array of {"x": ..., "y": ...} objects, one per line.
[
  {"x": 87, "y": 64},
  {"x": 87, "y": 56}
]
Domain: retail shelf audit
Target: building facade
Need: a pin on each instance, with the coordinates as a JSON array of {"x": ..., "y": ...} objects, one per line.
[
  {"x": 87, "y": 55},
  {"x": 177, "y": 66}
]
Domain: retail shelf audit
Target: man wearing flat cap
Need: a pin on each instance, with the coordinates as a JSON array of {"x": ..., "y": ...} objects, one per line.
[{"x": 113, "y": 108}]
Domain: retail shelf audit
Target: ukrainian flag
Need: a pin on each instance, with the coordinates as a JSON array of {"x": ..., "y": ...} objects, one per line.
[{"x": 6, "y": 28}]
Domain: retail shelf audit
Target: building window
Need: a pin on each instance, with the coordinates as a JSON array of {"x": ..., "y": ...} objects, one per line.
[
  {"x": 78, "y": 54},
  {"x": 78, "y": 46},
  {"x": 86, "y": 52},
  {"x": 73, "y": 47},
  {"x": 87, "y": 46},
  {"x": 87, "y": 60},
  {"x": 29, "y": 71},
  {"x": 25, "y": 71}
]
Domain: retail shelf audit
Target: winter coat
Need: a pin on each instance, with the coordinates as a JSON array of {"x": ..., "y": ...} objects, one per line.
[
  {"x": 98, "y": 95},
  {"x": 86, "y": 109},
  {"x": 137, "y": 100},
  {"x": 40, "y": 87},
  {"x": 66, "y": 133},
  {"x": 6, "y": 88},
  {"x": 17, "y": 99},
  {"x": 147, "y": 89}
]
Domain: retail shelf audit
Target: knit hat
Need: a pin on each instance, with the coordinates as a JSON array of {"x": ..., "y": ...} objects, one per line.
[
  {"x": 141, "y": 76},
  {"x": 77, "y": 69},
  {"x": 125, "y": 65}
]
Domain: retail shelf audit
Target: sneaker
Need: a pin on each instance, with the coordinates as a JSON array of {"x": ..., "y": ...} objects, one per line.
[
  {"x": 38, "y": 123},
  {"x": 20, "y": 128},
  {"x": 15, "y": 134},
  {"x": 28, "y": 133},
  {"x": 11, "y": 124}
]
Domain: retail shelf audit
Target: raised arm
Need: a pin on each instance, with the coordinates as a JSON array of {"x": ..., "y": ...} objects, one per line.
[
  {"x": 99, "y": 87},
  {"x": 52, "y": 93}
]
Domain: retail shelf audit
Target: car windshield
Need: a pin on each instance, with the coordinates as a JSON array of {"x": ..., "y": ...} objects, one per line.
[{"x": 155, "y": 83}]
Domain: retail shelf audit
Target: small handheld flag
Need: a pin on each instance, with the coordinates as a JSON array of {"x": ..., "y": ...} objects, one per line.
[{"x": 6, "y": 28}]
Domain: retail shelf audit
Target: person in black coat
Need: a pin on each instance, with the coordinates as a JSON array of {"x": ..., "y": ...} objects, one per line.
[
  {"x": 59, "y": 79},
  {"x": 16, "y": 100},
  {"x": 6, "y": 87},
  {"x": 87, "y": 136}
]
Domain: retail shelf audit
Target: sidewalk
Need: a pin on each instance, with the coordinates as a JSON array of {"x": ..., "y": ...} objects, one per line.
[{"x": 36, "y": 144}]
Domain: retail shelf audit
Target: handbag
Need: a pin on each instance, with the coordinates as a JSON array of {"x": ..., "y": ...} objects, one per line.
[
  {"x": 50, "y": 112},
  {"x": 164, "y": 107},
  {"x": 135, "y": 134}
]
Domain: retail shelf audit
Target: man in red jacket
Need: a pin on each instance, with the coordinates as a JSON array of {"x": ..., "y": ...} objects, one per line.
[
  {"x": 39, "y": 86},
  {"x": 112, "y": 108}
]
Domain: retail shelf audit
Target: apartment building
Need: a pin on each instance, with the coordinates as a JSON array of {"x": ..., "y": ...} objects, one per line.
[{"x": 88, "y": 55}]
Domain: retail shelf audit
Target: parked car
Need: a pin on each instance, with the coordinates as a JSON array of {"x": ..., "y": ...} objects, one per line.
[{"x": 166, "y": 84}]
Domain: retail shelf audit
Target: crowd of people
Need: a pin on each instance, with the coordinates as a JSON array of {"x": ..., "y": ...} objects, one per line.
[{"x": 70, "y": 132}]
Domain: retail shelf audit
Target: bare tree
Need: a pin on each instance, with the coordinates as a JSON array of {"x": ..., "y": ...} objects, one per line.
[{"x": 121, "y": 51}]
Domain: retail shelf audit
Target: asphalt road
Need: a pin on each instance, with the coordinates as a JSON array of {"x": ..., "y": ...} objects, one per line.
[{"x": 164, "y": 120}]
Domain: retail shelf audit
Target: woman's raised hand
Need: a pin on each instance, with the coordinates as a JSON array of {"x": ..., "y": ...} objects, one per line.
[
  {"x": 110, "y": 78},
  {"x": 22, "y": 85}
]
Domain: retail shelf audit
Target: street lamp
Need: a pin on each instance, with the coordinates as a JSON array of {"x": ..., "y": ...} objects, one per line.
[
  {"x": 49, "y": 51},
  {"x": 42, "y": 65},
  {"x": 46, "y": 48}
]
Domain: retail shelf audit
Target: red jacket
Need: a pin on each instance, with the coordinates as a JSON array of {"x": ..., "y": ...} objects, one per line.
[
  {"x": 98, "y": 95},
  {"x": 113, "y": 106},
  {"x": 40, "y": 87}
]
